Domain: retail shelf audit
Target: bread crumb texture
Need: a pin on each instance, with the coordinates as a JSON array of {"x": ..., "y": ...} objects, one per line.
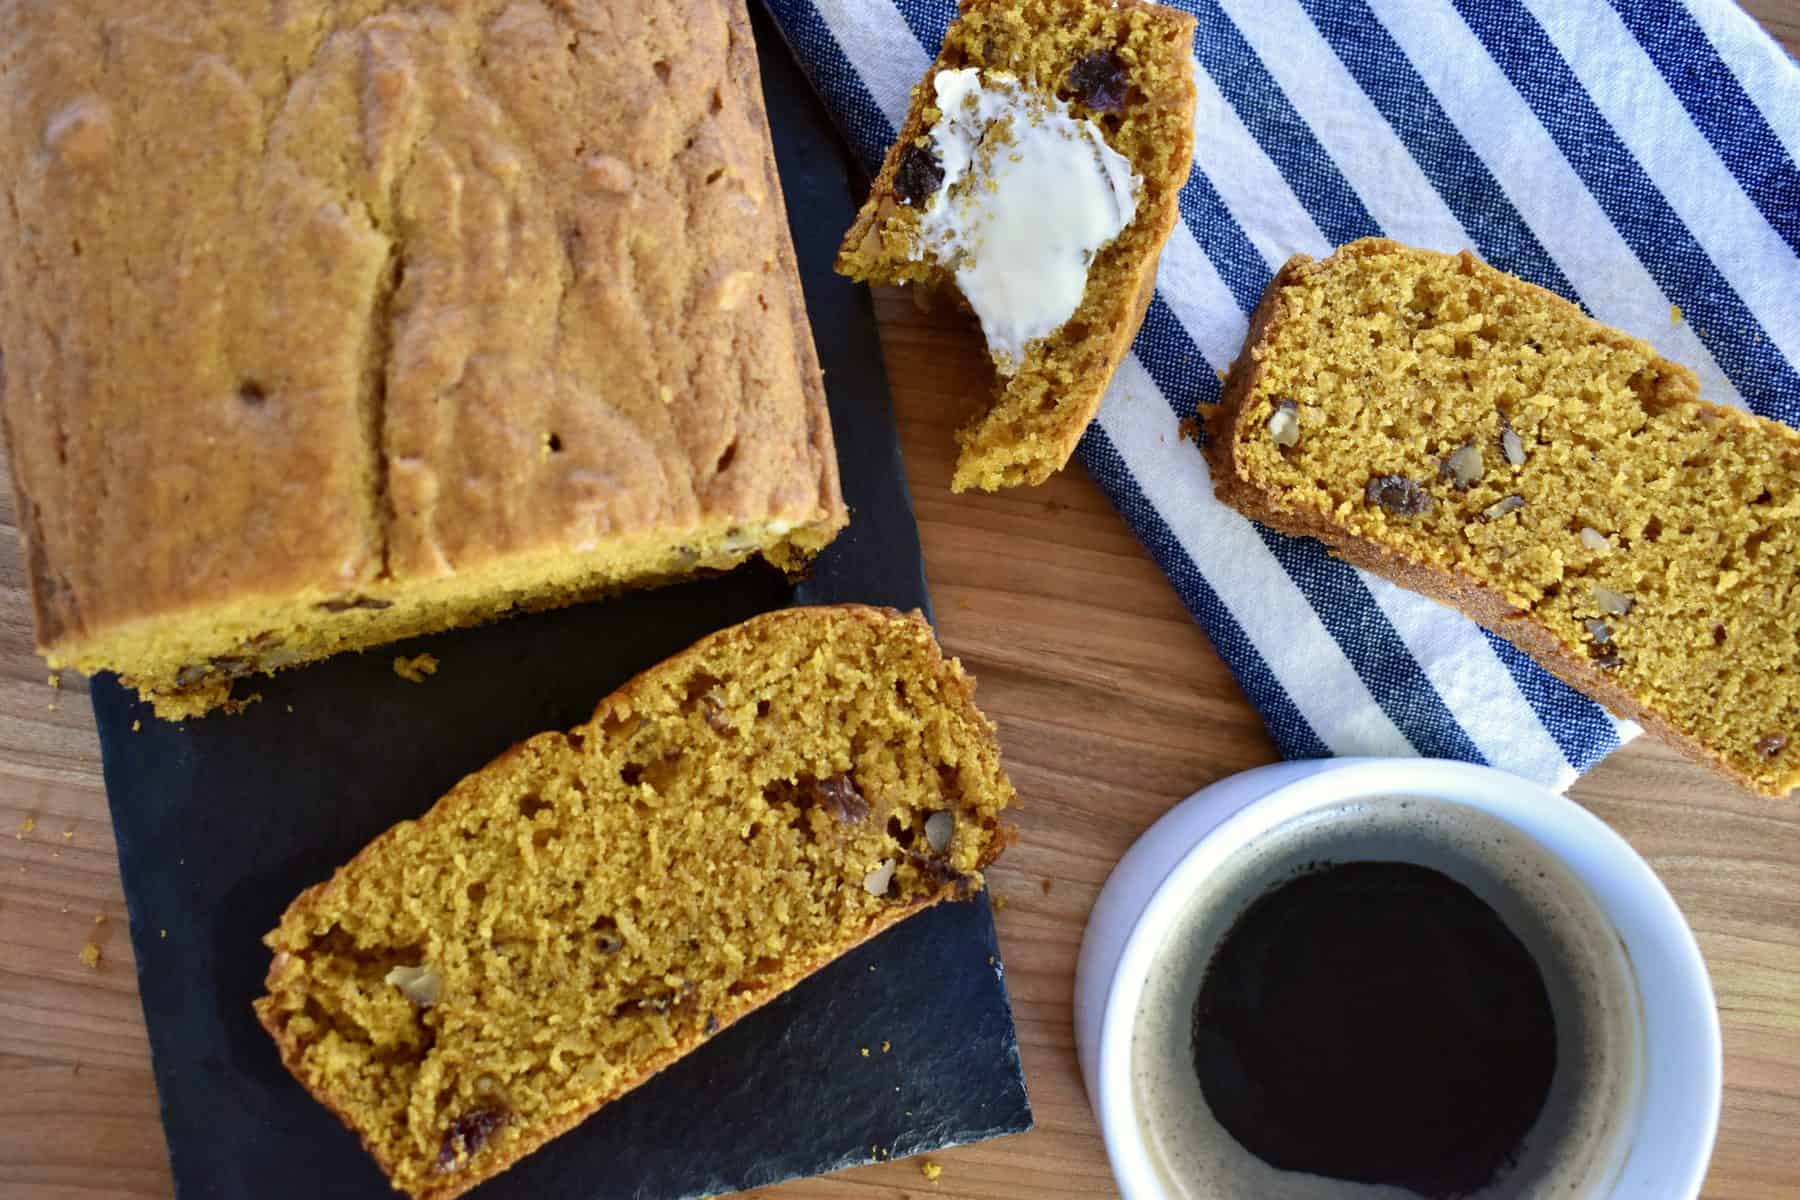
[
  {"x": 594, "y": 904},
  {"x": 1144, "y": 107},
  {"x": 464, "y": 309},
  {"x": 1480, "y": 439}
]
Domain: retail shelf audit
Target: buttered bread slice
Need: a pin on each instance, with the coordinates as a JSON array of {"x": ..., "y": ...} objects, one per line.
[
  {"x": 1483, "y": 441},
  {"x": 1038, "y": 172},
  {"x": 594, "y": 904}
]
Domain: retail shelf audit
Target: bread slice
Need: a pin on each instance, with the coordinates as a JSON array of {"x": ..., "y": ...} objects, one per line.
[
  {"x": 592, "y": 905},
  {"x": 450, "y": 311},
  {"x": 1125, "y": 65},
  {"x": 1482, "y": 441}
]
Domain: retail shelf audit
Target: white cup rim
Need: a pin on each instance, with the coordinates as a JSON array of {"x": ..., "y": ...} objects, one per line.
[{"x": 1670, "y": 1146}]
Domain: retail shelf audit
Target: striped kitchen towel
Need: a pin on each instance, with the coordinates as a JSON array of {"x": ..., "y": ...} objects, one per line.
[{"x": 1637, "y": 156}]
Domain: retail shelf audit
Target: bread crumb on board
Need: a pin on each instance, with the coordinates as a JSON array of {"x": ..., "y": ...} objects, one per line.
[
  {"x": 90, "y": 956},
  {"x": 417, "y": 668},
  {"x": 25, "y": 828},
  {"x": 136, "y": 726},
  {"x": 930, "y": 1170}
]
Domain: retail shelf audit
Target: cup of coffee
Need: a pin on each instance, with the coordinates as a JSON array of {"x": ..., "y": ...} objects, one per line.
[{"x": 1394, "y": 978}]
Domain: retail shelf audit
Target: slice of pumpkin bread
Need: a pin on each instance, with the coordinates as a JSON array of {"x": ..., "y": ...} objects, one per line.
[
  {"x": 1038, "y": 172},
  {"x": 592, "y": 905},
  {"x": 1483, "y": 441}
]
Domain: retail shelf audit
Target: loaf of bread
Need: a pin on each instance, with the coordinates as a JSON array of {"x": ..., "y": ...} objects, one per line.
[
  {"x": 1483, "y": 441},
  {"x": 594, "y": 904},
  {"x": 1126, "y": 67},
  {"x": 329, "y": 324}
]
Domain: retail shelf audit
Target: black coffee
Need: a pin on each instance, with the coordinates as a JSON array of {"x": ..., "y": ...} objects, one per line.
[{"x": 1376, "y": 1022}]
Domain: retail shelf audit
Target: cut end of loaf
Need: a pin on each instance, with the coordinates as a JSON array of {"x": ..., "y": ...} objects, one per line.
[
  {"x": 189, "y": 664},
  {"x": 1483, "y": 441},
  {"x": 1031, "y": 424},
  {"x": 592, "y": 905}
]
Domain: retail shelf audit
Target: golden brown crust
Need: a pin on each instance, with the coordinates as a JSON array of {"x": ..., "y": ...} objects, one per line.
[
  {"x": 619, "y": 706},
  {"x": 452, "y": 292},
  {"x": 830, "y": 501},
  {"x": 1229, "y": 424}
]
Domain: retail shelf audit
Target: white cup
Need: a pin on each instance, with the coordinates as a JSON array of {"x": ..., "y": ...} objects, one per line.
[{"x": 1675, "y": 1114}]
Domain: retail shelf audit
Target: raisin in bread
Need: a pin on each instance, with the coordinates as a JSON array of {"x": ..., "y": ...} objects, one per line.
[
  {"x": 727, "y": 823},
  {"x": 1038, "y": 172},
  {"x": 448, "y": 311},
  {"x": 1481, "y": 440}
]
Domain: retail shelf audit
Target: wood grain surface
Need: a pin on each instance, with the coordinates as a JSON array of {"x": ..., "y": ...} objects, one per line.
[{"x": 1112, "y": 707}]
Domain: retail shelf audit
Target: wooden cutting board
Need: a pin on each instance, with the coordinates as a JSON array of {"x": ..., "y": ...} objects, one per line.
[{"x": 1112, "y": 707}]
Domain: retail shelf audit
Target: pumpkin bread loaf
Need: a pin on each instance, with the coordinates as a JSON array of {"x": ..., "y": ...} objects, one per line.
[
  {"x": 1481, "y": 440},
  {"x": 1075, "y": 82},
  {"x": 329, "y": 324},
  {"x": 594, "y": 904}
]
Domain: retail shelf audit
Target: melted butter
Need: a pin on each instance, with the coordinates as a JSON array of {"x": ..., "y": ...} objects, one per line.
[{"x": 1030, "y": 195}]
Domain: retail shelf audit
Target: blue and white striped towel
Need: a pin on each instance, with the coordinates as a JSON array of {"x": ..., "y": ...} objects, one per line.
[{"x": 1635, "y": 155}]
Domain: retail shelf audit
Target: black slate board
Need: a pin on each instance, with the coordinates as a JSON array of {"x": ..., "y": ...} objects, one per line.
[{"x": 221, "y": 822}]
